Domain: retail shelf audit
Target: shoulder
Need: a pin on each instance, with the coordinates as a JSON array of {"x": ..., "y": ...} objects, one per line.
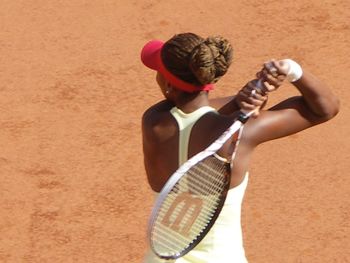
[
  {"x": 156, "y": 114},
  {"x": 157, "y": 121},
  {"x": 155, "y": 110}
]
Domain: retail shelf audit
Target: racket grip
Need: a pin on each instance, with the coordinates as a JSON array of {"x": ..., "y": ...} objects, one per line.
[{"x": 245, "y": 115}]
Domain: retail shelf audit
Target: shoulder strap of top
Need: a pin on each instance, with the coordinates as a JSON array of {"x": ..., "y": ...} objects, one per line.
[{"x": 185, "y": 122}]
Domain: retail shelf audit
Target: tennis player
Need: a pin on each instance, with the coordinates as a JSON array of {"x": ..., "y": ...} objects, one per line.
[{"x": 186, "y": 122}]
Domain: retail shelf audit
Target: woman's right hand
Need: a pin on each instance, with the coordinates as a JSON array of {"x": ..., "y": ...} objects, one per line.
[{"x": 251, "y": 97}]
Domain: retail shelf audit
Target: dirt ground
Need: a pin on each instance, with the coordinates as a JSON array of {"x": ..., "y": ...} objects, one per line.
[{"x": 72, "y": 93}]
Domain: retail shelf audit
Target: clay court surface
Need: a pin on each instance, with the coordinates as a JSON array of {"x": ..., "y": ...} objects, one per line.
[{"x": 72, "y": 93}]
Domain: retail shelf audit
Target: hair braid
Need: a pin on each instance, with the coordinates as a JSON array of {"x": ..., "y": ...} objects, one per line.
[{"x": 197, "y": 60}]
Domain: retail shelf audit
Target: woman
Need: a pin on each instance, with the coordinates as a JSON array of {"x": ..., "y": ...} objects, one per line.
[{"x": 184, "y": 124}]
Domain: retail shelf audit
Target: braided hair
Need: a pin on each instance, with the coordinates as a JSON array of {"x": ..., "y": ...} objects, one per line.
[{"x": 197, "y": 60}]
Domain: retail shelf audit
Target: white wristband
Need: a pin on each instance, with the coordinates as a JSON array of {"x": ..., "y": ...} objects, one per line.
[{"x": 295, "y": 71}]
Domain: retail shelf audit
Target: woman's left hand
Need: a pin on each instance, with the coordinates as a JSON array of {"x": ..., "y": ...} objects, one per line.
[{"x": 272, "y": 74}]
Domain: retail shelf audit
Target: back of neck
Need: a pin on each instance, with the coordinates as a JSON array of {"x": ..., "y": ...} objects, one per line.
[{"x": 191, "y": 102}]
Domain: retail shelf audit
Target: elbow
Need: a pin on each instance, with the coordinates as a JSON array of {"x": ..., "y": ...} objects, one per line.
[
  {"x": 335, "y": 108},
  {"x": 331, "y": 110}
]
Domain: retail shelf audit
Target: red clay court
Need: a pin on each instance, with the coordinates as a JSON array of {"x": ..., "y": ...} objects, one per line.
[{"x": 72, "y": 93}]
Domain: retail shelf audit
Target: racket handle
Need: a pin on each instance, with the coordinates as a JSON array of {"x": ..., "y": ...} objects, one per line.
[{"x": 245, "y": 115}]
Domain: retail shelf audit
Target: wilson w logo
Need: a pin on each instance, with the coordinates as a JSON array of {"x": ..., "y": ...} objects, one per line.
[{"x": 182, "y": 213}]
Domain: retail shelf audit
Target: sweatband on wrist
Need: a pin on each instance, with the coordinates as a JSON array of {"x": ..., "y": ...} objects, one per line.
[{"x": 295, "y": 71}]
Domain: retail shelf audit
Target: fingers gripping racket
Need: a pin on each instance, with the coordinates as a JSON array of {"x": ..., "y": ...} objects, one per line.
[{"x": 192, "y": 199}]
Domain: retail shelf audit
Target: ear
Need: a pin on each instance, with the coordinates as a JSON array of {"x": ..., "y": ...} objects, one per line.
[
  {"x": 168, "y": 85},
  {"x": 169, "y": 88}
]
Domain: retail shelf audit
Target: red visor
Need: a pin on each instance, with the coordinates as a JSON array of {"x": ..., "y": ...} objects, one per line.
[{"x": 151, "y": 57}]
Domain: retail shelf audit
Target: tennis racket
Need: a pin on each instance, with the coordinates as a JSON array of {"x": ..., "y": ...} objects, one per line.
[{"x": 191, "y": 200}]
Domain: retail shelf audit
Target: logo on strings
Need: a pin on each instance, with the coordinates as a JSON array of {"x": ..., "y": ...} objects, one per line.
[{"x": 182, "y": 213}]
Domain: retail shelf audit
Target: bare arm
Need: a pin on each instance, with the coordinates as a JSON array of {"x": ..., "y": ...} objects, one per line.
[
  {"x": 316, "y": 105},
  {"x": 317, "y": 96},
  {"x": 242, "y": 100},
  {"x": 225, "y": 105}
]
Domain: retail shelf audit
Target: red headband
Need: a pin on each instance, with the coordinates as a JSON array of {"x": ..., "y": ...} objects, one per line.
[{"x": 151, "y": 58}]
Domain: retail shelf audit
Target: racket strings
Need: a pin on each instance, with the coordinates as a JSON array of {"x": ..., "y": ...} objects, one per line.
[{"x": 189, "y": 207}]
